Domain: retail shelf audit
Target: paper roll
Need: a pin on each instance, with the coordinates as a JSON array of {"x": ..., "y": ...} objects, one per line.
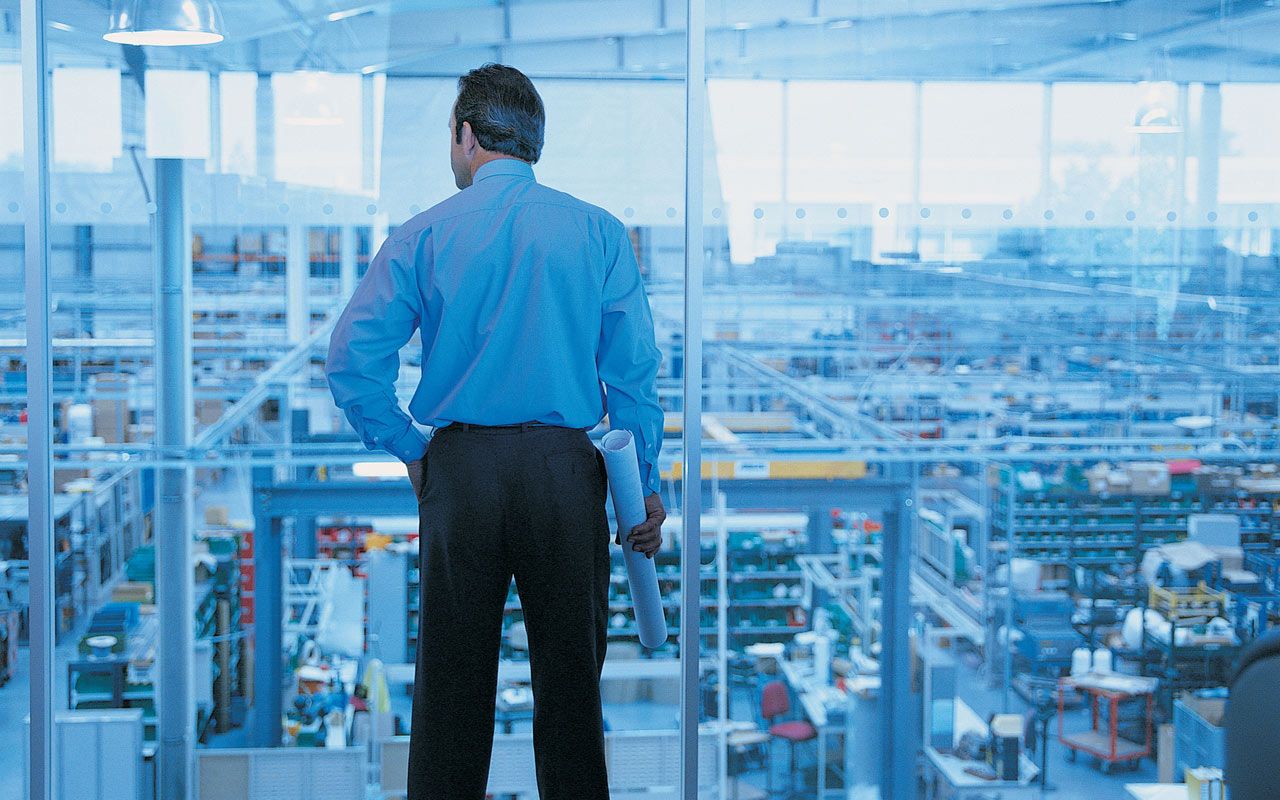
[{"x": 628, "y": 507}]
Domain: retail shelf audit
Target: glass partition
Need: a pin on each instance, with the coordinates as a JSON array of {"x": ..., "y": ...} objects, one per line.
[
  {"x": 213, "y": 209},
  {"x": 986, "y": 328},
  {"x": 15, "y": 683},
  {"x": 981, "y": 338}
]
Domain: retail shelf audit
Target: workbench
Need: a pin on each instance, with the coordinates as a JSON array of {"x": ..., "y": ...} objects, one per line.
[
  {"x": 1156, "y": 791},
  {"x": 945, "y": 777},
  {"x": 813, "y": 699}
]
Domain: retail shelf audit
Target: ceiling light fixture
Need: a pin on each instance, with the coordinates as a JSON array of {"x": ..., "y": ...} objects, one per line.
[
  {"x": 165, "y": 23},
  {"x": 358, "y": 11},
  {"x": 1155, "y": 113}
]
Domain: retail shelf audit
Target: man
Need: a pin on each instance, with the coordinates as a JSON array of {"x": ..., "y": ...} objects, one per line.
[{"x": 534, "y": 323}]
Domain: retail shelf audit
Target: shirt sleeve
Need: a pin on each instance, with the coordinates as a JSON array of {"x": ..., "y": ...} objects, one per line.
[
  {"x": 364, "y": 355},
  {"x": 627, "y": 358}
]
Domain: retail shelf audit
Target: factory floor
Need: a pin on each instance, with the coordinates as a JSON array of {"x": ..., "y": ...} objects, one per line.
[
  {"x": 1080, "y": 780},
  {"x": 1069, "y": 781}
]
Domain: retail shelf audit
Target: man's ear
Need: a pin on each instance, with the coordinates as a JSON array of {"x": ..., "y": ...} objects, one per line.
[{"x": 469, "y": 142}]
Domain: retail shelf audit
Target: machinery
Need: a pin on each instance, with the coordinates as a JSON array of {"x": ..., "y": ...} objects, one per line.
[{"x": 1042, "y": 636}]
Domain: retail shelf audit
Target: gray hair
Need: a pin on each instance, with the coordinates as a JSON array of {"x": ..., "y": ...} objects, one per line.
[{"x": 505, "y": 111}]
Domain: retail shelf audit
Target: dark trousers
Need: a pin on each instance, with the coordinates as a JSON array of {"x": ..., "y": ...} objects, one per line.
[{"x": 524, "y": 502}]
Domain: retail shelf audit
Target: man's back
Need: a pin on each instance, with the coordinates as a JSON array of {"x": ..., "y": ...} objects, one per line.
[
  {"x": 512, "y": 276},
  {"x": 530, "y": 305}
]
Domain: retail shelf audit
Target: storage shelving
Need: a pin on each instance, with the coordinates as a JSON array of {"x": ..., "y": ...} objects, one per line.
[
  {"x": 762, "y": 566},
  {"x": 1067, "y": 524}
]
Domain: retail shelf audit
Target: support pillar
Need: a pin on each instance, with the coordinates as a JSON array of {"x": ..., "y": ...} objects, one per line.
[
  {"x": 304, "y": 537},
  {"x": 1207, "y": 177},
  {"x": 346, "y": 261},
  {"x": 84, "y": 273},
  {"x": 175, "y": 695},
  {"x": 268, "y": 636},
  {"x": 897, "y": 723},
  {"x": 297, "y": 274},
  {"x": 917, "y": 146}
]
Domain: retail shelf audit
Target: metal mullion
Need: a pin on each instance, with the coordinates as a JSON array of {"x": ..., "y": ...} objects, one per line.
[
  {"x": 691, "y": 489},
  {"x": 39, "y": 356}
]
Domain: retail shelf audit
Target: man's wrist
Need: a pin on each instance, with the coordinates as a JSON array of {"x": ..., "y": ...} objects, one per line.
[{"x": 409, "y": 446}]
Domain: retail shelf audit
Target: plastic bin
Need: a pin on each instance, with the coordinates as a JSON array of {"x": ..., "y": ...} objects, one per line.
[{"x": 1199, "y": 741}]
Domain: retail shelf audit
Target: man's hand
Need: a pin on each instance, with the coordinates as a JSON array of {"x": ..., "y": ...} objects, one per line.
[
  {"x": 415, "y": 477},
  {"x": 647, "y": 536}
]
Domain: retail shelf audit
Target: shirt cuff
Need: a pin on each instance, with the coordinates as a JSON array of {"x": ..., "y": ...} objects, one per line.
[
  {"x": 651, "y": 478},
  {"x": 409, "y": 446}
]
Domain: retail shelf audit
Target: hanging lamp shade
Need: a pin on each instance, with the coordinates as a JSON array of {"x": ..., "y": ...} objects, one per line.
[
  {"x": 1155, "y": 118},
  {"x": 1155, "y": 111},
  {"x": 165, "y": 23}
]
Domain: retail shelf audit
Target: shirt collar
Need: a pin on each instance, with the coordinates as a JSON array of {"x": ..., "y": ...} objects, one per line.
[{"x": 504, "y": 166}]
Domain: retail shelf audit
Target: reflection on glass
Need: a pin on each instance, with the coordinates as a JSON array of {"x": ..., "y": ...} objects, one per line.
[
  {"x": 177, "y": 114},
  {"x": 319, "y": 129},
  {"x": 85, "y": 117},
  {"x": 11, "y": 125},
  {"x": 237, "y": 116}
]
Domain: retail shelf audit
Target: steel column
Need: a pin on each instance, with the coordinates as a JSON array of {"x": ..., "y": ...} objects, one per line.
[
  {"x": 346, "y": 261},
  {"x": 297, "y": 274},
  {"x": 917, "y": 146},
  {"x": 1207, "y": 158},
  {"x": 691, "y": 460},
  {"x": 175, "y": 691},
  {"x": 39, "y": 355},
  {"x": 304, "y": 537},
  {"x": 899, "y": 750},
  {"x": 268, "y": 628},
  {"x": 84, "y": 274}
]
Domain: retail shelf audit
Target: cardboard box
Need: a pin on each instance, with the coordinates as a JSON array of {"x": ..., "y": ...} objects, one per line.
[
  {"x": 63, "y": 477},
  {"x": 130, "y": 592},
  {"x": 1148, "y": 477},
  {"x": 1097, "y": 477},
  {"x": 1217, "y": 480},
  {"x": 140, "y": 432},
  {"x": 209, "y": 411},
  {"x": 111, "y": 411},
  {"x": 1164, "y": 753},
  {"x": 216, "y": 515}
]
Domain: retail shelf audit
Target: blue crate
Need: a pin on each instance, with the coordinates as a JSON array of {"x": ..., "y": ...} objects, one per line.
[{"x": 1198, "y": 742}]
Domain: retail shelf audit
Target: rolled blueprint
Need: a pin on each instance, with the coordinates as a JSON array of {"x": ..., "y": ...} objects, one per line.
[{"x": 628, "y": 506}]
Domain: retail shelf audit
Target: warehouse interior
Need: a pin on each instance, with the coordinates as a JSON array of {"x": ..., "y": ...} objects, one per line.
[{"x": 987, "y": 489}]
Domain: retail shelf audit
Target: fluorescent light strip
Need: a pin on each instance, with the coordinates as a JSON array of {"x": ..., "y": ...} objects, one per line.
[
  {"x": 163, "y": 38},
  {"x": 379, "y": 469}
]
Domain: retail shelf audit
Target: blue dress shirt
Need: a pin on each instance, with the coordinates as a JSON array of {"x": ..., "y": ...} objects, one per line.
[{"x": 531, "y": 308}]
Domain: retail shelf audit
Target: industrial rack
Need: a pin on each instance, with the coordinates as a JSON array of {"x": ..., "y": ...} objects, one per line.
[
  {"x": 763, "y": 565},
  {"x": 125, "y": 680},
  {"x": 1067, "y": 523},
  {"x": 95, "y": 529},
  {"x": 1203, "y": 661}
]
